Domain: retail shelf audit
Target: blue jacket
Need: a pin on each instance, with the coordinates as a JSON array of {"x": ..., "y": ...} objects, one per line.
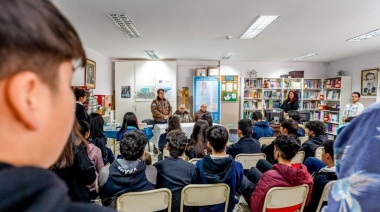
[
  {"x": 119, "y": 135},
  {"x": 221, "y": 170},
  {"x": 246, "y": 144},
  {"x": 262, "y": 129}
]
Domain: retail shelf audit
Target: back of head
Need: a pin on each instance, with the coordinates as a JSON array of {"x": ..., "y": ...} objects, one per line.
[
  {"x": 217, "y": 136},
  {"x": 174, "y": 123},
  {"x": 129, "y": 119},
  {"x": 176, "y": 141},
  {"x": 318, "y": 127},
  {"x": 147, "y": 159},
  {"x": 257, "y": 115},
  {"x": 79, "y": 93},
  {"x": 287, "y": 145},
  {"x": 84, "y": 127},
  {"x": 329, "y": 147},
  {"x": 96, "y": 126},
  {"x": 290, "y": 125},
  {"x": 207, "y": 117},
  {"x": 245, "y": 126},
  {"x": 295, "y": 115},
  {"x": 132, "y": 145}
]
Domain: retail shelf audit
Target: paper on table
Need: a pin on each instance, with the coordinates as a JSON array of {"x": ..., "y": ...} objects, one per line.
[{"x": 229, "y": 86}]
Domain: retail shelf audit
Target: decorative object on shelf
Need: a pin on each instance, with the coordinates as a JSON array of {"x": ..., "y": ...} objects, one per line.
[
  {"x": 90, "y": 74},
  {"x": 200, "y": 72},
  {"x": 341, "y": 73},
  {"x": 213, "y": 71},
  {"x": 369, "y": 82},
  {"x": 252, "y": 73},
  {"x": 184, "y": 93}
]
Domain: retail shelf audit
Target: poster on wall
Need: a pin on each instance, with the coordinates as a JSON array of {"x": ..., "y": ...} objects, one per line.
[
  {"x": 230, "y": 88},
  {"x": 207, "y": 91},
  {"x": 369, "y": 82},
  {"x": 167, "y": 86},
  {"x": 145, "y": 93},
  {"x": 126, "y": 92}
]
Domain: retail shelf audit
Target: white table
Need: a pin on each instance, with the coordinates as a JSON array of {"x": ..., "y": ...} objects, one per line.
[{"x": 160, "y": 128}]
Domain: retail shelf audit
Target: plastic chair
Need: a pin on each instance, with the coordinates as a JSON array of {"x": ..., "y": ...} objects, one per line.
[
  {"x": 145, "y": 201},
  {"x": 303, "y": 139},
  {"x": 249, "y": 160},
  {"x": 286, "y": 199},
  {"x": 299, "y": 157},
  {"x": 318, "y": 152},
  {"x": 266, "y": 140},
  {"x": 194, "y": 160},
  {"x": 205, "y": 195},
  {"x": 325, "y": 194}
]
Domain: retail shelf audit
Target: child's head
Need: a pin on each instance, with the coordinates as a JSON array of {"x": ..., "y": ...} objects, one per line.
[
  {"x": 176, "y": 142},
  {"x": 286, "y": 147},
  {"x": 84, "y": 129},
  {"x": 207, "y": 117},
  {"x": 96, "y": 125},
  {"x": 132, "y": 145},
  {"x": 147, "y": 159},
  {"x": 257, "y": 116},
  {"x": 295, "y": 115},
  {"x": 315, "y": 128},
  {"x": 174, "y": 123},
  {"x": 129, "y": 119},
  {"x": 80, "y": 95},
  {"x": 245, "y": 127},
  {"x": 288, "y": 127},
  {"x": 217, "y": 137},
  {"x": 328, "y": 152}
]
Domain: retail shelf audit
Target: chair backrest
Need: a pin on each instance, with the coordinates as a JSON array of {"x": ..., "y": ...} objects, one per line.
[
  {"x": 194, "y": 160},
  {"x": 205, "y": 195},
  {"x": 325, "y": 194},
  {"x": 249, "y": 160},
  {"x": 266, "y": 140},
  {"x": 318, "y": 152},
  {"x": 286, "y": 198},
  {"x": 303, "y": 139},
  {"x": 153, "y": 200},
  {"x": 299, "y": 157}
]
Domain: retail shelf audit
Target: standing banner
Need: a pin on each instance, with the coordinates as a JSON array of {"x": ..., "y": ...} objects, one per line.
[{"x": 206, "y": 90}]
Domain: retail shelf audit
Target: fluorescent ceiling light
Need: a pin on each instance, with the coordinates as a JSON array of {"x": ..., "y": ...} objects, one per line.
[
  {"x": 366, "y": 36},
  {"x": 126, "y": 25},
  {"x": 151, "y": 54},
  {"x": 304, "y": 56},
  {"x": 258, "y": 26},
  {"x": 228, "y": 55}
]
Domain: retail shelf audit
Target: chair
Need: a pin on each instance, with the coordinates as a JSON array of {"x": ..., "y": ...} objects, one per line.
[
  {"x": 318, "y": 152},
  {"x": 299, "y": 157},
  {"x": 303, "y": 139},
  {"x": 194, "y": 160},
  {"x": 325, "y": 194},
  {"x": 204, "y": 195},
  {"x": 266, "y": 140},
  {"x": 144, "y": 201},
  {"x": 249, "y": 160},
  {"x": 286, "y": 198}
]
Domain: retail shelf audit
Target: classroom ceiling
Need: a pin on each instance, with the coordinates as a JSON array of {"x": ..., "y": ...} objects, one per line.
[{"x": 197, "y": 29}]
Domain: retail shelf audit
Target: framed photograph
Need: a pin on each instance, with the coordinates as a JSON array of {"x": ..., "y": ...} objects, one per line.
[
  {"x": 200, "y": 72},
  {"x": 369, "y": 82},
  {"x": 213, "y": 72},
  {"x": 90, "y": 74}
]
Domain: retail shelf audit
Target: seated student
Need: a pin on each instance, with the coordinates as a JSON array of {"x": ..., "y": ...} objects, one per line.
[
  {"x": 316, "y": 132},
  {"x": 219, "y": 167},
  {"x": 173, "y": 124},
  {"x": 261, "y": 128},
  {"x": 346, "y": 122},
  {"x": 130, "y": 123},
  {"x": 173, "y": 172},
  {"x": 284, "y": 174},
  {"x": 287, "y": 127},
  {"x": 295, "y": 115},
  {"x": 246, "y": 143},
  {"x": 128, "y": 174},
  {"x": 323, "y": 175},
  {"x": 197, "y": 146},
  {"x": 207, "y": 117}
]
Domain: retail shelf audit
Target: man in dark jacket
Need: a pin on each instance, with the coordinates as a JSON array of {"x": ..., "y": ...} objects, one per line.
[
  {"x": 128, "y": 174},
  {"x": 80, "y": 111},
  {"x": 246, "y": 144},
  {"x": 260, "y": 128},
  {"x": 161, "y": 108},
  {"x": 183, "y": 114},
  {"x": 201, "y": 112},
  {"x": 219, "y": 167},
  {"x": 316, "y": 132}
]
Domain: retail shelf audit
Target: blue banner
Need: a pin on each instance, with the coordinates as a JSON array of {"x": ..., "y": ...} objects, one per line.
[{"x": 206, "y": 90}]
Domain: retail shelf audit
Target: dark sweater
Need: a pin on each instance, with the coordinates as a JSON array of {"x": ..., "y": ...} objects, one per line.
[
  {"x": 286, "y": 106},
  {"x": 81, "y": 114},
  {"x": 246, "y": 144},
  {"x": 262, "y": 129},
  {"x": 312, "y": 144}
]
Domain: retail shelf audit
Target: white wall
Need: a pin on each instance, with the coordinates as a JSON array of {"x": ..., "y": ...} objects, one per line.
[
  {"x": 104, "y": 73},
  {"x": 353, "y": 67}
]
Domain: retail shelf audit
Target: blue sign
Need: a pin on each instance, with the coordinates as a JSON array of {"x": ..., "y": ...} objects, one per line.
[{"x": 206, "y": 90}]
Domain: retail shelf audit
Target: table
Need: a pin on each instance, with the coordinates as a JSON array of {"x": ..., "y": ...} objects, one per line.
[{"x": 160, "y": 129}]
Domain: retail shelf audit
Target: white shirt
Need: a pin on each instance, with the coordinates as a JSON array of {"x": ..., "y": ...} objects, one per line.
[{"x": 353, "y": 109}]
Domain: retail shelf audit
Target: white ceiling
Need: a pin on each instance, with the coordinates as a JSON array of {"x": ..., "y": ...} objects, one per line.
[{"x": 196, "y": 29}]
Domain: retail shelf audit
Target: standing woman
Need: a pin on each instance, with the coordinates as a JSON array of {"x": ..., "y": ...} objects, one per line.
[
  {"x": 130, "y": 123},
  {"x": 291, "y": 103},
  {"x": 354, "y": 108}
]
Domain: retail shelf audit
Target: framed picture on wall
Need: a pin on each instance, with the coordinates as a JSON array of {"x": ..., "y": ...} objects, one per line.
[
  {"x": 90, "y": 74},
  {"x": 213, "y": 71},
  {"x": 369, "y": 82},
  {"x": 200, "y": 72}
]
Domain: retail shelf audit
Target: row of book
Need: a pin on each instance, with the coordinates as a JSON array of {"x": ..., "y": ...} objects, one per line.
[
  {"x": 252, "y": 105},
  {"x": 292, "y": 84},
  {"x": 272, "y": 95},
  {"x": 252, "y": 94},
  {"x": 332, "y": 95},
  {"x": 272, "y": 104},
  {"x": 253, "y": 83},
  {"x": 311, "y": 95},
  {"x": 325, "y": 116},
  {"x": 331, "y": 128},
  {"x": 311, "y": 105},
  {"x": 312, "y": 84}
]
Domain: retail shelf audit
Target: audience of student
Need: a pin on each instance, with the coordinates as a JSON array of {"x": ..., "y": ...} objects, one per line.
[
  {"x": 183, "y": 114},
  {"x": 316, "y": 132},
  {"x": 173, "y": 172},
  {"x": 261, "y": 128},
  {"x": 207, "y": 117},
  {"x": 80, "y": 111},
  {"x": 128, "y": 174},
  {"x": 219, "y": 167},
  {"x": 283, "y": 174},
  {"x": 246, "y": 143},
  {"x": 98, "y": 138},
  {"x": 81, "y": 172},
  {"x": 295, "y": 115},
  {"x": 197, "y": 146},
  {"x": 346, "y": 122},
  {"x": 130, "y": 123},
  {"x": 323, "y": 172},
  {"x": 173, "y": 124}
]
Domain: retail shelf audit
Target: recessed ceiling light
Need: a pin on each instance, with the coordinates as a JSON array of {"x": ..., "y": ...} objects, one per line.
[
  {"x": 258, "y": 26},
  {"x": 304, "y": 56},
  {"x": 126, "y": 25},
  {"x": 366, "y": 36},
  {"x": 228, "y": 55},
  {"x": 151, "y": 54}
]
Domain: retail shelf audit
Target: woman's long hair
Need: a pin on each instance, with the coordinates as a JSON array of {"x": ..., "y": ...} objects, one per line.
[
  {"x": 96, "y": 126},
  {"x": 198, "y": 138},
  {"x": 174, "y": 124},
  {"x": 295, "y": 98},
  {"x": 129, "y": 119}
]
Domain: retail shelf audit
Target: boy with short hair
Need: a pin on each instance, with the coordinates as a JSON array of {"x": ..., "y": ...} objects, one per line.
[
  {"x": 246, "y": 143},
  {"x": 219, "y": 167},
  {"x": 261, "y": 128}
]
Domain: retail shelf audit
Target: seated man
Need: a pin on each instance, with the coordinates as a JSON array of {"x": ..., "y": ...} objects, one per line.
[
  {"x": 316, "y": 132},
  {"x": 173, "y": 172},
  {"x": 261, "y": 128},
  {"x": 200, "y": 112},
  {"x": 183, "y": 114},
  {"x": 246, "y": 143},
  {"x": 321, "y": 175},
  {"x": 295, "y": 115},
  {"x": 128, "y": 174},
  {"x": 284, "y": 174},
  {"x": 220, "y": 167}
]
